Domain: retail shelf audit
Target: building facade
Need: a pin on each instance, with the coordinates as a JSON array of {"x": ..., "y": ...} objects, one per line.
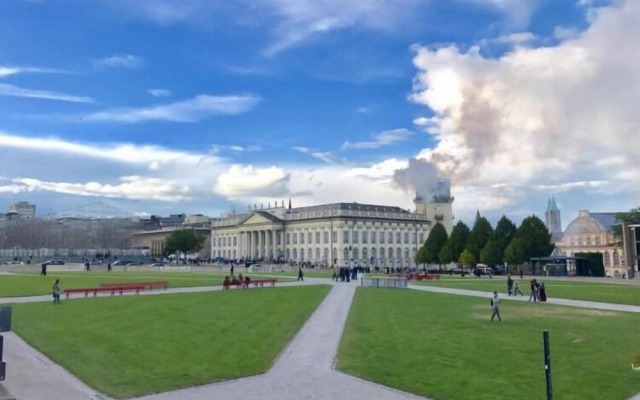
[
  {"x": 330, "y": 234},
  {"x": 22, "y": 209},
  {"x": 593, "y": 233}
]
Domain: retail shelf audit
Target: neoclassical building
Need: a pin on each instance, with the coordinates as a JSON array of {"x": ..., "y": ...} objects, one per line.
[
  {"x": 327, "y": 234},
  {"x": 593, "y": 233}
]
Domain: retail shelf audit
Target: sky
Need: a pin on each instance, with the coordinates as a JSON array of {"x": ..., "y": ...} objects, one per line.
[{"x": 206, "y": 106}]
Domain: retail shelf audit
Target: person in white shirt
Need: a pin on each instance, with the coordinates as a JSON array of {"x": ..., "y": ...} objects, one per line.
[{"x": 495, "y": 306}]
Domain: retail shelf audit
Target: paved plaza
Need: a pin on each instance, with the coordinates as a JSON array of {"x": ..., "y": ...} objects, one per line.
[{"x": 304, "y": 370}]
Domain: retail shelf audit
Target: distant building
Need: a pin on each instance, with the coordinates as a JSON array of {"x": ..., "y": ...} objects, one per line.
[
  {"x": 593, "y": 233},
  {"x": 155, "y": 222},
  {"x": 552, "y": 220},
  {"x": 437, "y": 206},
  {"x": 338, "y": 233},
  {"x": 154, "y": 241},
  {"x": 21, "y": 210}
]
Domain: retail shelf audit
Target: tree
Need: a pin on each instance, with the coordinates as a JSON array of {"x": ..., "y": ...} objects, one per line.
[
  {"x": 435, "y": 242},
  {"x": 451, "y": 251},
  {"x": 493, "y": 253},
  {"x": 630, "y": 217},
  {"x": 532, "y": 239},
  {"x": 467, "y": 258},
  {"x": 183, "y": 241},
  {"x": 479, "y": 236}
]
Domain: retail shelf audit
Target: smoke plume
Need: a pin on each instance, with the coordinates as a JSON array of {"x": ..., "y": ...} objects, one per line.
[{"x": 423, "y": 178}]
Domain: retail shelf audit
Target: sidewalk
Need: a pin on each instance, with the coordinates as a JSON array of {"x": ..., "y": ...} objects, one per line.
[{"x": 561, "y": 302}]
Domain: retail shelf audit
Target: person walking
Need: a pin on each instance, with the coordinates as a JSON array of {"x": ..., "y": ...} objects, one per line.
[
  {"x": 495, "y": 306},
  {"x": 56, "y": 292},
  {"x": 534, "y": 291},
  {"x": 43, "y": 270},
  {"x": 300, "y": 274},
  {"x": 509, "y": 285},
  {"x": 516, "y": 289}
]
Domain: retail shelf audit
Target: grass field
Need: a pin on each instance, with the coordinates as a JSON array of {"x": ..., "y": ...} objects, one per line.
[
  {"x": 445, "y": 347},
  {"x": 565, "y": 289},
  {"x": 29, "y": 284},
  {"x": 130, "y": 346}
]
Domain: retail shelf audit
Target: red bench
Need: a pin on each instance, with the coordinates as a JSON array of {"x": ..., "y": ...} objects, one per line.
[
  {"x": 97, "y": 290},
  {"x": 145, "y": 285},
  {"x": 256, "y": 283}
]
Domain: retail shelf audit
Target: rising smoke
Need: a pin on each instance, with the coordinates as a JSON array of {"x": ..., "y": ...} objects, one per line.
[{"x": 422, "y": 178}]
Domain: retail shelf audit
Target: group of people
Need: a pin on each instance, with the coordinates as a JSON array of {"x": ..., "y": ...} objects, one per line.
[
  {"x": 239, "y": 280},
  {"x": 538, "y": 291},
  {"x": 344, "y": 274}
]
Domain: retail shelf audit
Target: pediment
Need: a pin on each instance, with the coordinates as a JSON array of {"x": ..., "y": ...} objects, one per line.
[{"x": 256, "y": 219}]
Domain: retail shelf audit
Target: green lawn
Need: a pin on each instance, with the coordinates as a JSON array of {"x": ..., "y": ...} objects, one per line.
[
  {"x": 131, "y": 346},
  {"x": 445, "y": 347},
  {"x": 565, "y": 289},
  {"x": 29, "y": 284}
]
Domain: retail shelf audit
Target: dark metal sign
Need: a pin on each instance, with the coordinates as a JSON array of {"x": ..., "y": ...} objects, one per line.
[{"x": 5, "y": 319}]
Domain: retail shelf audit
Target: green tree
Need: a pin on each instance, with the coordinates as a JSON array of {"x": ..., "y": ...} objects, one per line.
[
  {"x": 451, "y": 251},
  {"x": 435, "y": 242},
  {"x": 493, "y": 253},
  {"x": 630, "y": 217},
  {"x": 479, "y": 236},
  {"x": 467, "y": 258},
  {"x": 532, "y": 239},
  {"x": 183, "y": 241}
]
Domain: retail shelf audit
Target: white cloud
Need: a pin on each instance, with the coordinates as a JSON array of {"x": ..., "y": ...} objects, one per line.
[
  {"x": 14, "y": 70},
  {"x": 120, "y": 61},
  {"x": 558, "y": 114},
  {"x": 193, "y": 110},
  {"x": 249, "y": 181},
  {"x": 386, "y": 138},
  {"x": 17, "y": 91},
  {"x": 130, "y": 187},
  {"x": 363, "y": 110},
  {"x": 160, "y": 92}
]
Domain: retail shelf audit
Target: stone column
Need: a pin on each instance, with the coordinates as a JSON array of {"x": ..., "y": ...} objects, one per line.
[
  {"x": 250, "y": 244},
  {"x": 260, "y": 244},
  {"x": 274, "y": 243}
]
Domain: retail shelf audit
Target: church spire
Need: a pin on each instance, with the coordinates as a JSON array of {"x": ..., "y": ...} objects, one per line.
[{"x": 477, "y": 216}]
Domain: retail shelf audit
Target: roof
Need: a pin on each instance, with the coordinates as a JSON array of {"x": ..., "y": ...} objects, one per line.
[
  {"x": 607, "y": 220},
  {"x": 267, "y": 215},
  {"x": 591, "y": 223},
  {"x": 551, "y": 204},
  {"x": 352, "y": 206}
]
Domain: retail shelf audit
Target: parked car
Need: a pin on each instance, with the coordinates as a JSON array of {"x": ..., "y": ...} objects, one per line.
[
  {"x": 159, "y": 264},
  {"x": 54, "y": 262},
  {"x": 125, "y": 262}
]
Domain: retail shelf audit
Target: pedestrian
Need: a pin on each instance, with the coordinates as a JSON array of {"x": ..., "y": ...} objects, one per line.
[
  {"x": 516, "y": 289},
  {"x": 495, "y": 306},
  {"x": 509, "y": 285},
  {"x": 56, "y": 292},
  {"x": 109, "y": 267},
  {"x": 542, "y": 292},
  {"x": 334, "y": 276},
  {"x": 300, "y": 274},
  {"x": 533, "y": 286},
  {"x": 43, "y": 269}
]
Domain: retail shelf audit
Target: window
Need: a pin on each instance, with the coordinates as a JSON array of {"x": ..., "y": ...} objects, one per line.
[
  {"x": 334, "y": 236},
  {"x": 346, "y": 253},
  {"x": 310, "y": 237},
  {"x": 301, "y": 254},
  {"x": 398, "y": 238},
  {"x": 598, "y": 240},
  {"x": 421, "y": 237},
  {"x": 406, "y": 253},
  {"x": 224, "y": 241},
  {"x": 382, "y": 237},
  {"x": 301, "y": 237},
  {"x": 235, "y": 240},
  {"x": 607, "y": 258},
  {"x": 365, "y": 236},
  {"x": 326, "y": 254},
  {"x": 295, "y": 239},
  {"x": 326, "y": 237},
  {"x": 295, "y": 254},
  {"x": 616, "y": 258},
  {"x": 317, "y": 237},
  {"x": 373, "y": 237},
  {"x": 334, "y": 253},
  {"x": 356, "y": 235},
  {"x": 390, "y": 237},
  {"x": 288, "y": 254},
  {"x": 406, "y": 238},
  {"x": 373, "y": 253},
  {"x": 398, "y": 253},
  {"x": 365, "y": 254}
]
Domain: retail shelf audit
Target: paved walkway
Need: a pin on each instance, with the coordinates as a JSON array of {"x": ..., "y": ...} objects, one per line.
[
  {"x": 550, "y": 300},
  {"x": 304, "y": 370}
]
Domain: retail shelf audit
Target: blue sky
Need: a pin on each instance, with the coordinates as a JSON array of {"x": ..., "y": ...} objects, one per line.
[{"x": 196, "y": 106}]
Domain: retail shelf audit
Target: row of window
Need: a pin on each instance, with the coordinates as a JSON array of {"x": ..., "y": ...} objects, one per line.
[
  {"x": 354, "y": 237},
  {"x": 365, "y": 254},
  {"x": 586, "y": 241}
]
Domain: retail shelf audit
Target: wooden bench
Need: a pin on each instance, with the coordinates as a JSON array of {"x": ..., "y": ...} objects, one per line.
[
  {"x": 97, "y": 290},
  {"x": 145, "y": 285},
  {"x": 255, "y": 283}
]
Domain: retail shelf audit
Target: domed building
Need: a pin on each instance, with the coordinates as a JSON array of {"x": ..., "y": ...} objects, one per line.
[{"x": 593, "y": 233}]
